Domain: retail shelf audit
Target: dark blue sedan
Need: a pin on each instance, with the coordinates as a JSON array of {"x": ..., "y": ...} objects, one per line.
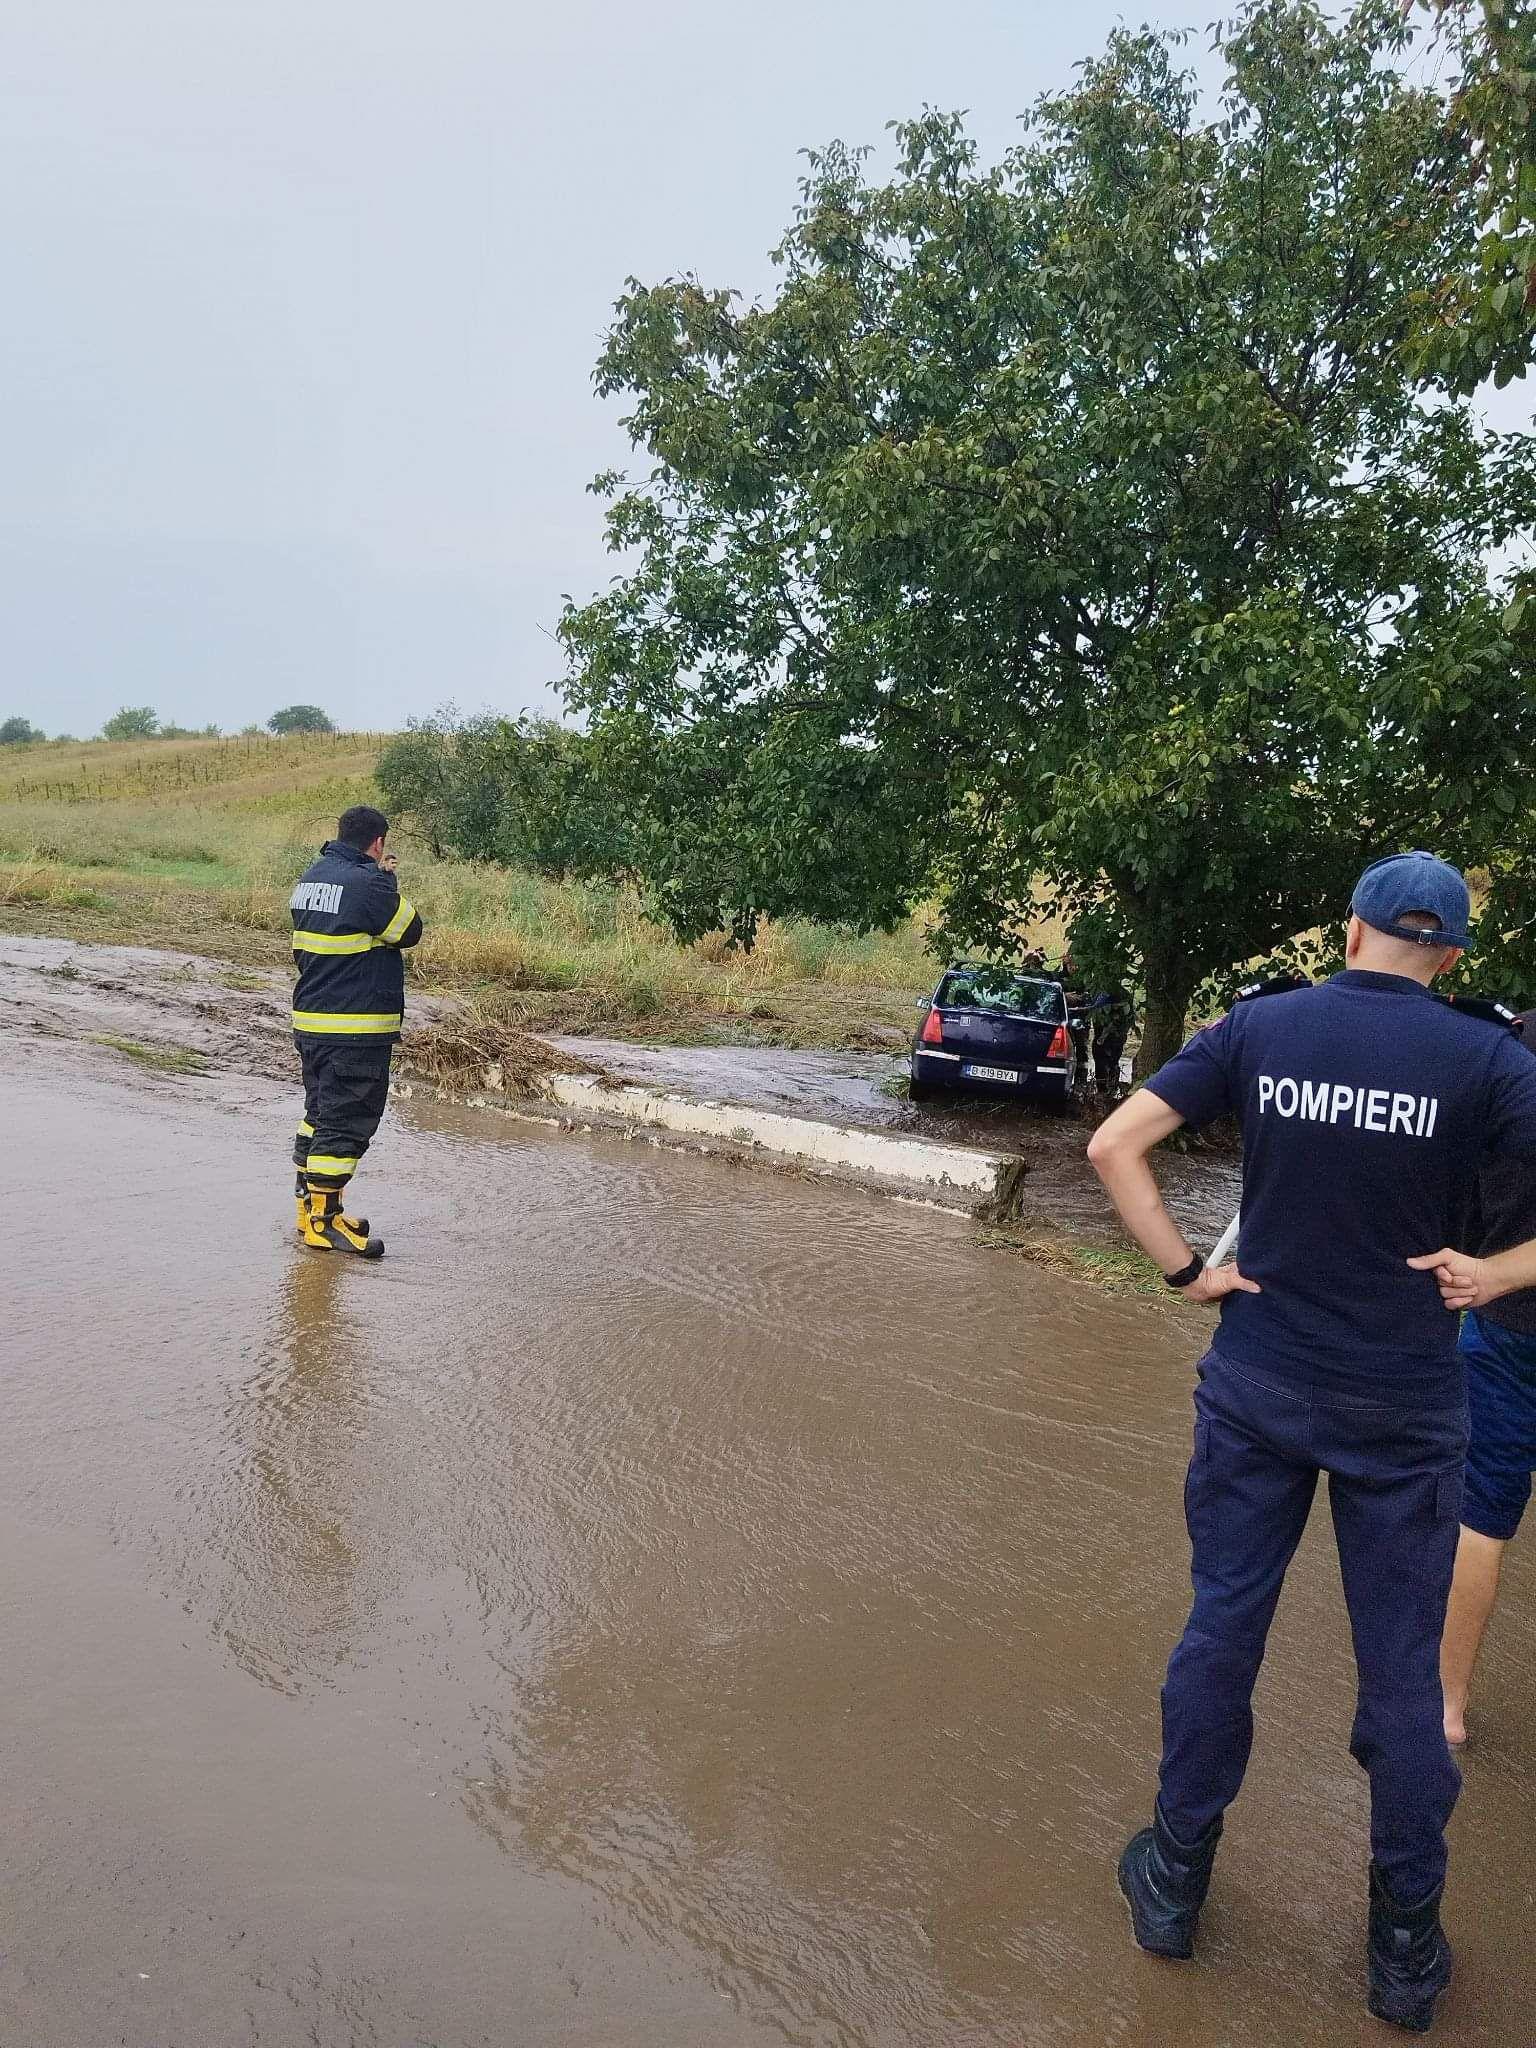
[{"x": 995, "y": 1030}]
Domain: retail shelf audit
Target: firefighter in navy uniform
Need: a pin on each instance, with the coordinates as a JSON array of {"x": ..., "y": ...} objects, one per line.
[
  {"x": 1366, "y": 1106},
  {"x": 350, "y": 926}
]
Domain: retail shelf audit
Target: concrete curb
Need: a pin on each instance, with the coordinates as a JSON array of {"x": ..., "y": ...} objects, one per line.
[
  {"x": 985, "y": 1184},
  {"x": 950, "y": 1174}
]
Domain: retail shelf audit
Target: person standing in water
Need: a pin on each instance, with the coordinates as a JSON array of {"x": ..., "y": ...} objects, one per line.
[
  {"x": 1498, "y": 1348},
  {"x": 350, "y": 928},
  {"x": 1366, "y": 1106}
]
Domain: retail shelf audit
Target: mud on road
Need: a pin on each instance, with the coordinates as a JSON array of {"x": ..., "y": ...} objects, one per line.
[
  {"x": 657, "y": 1607},
  {"x": 59, "y": 990}
]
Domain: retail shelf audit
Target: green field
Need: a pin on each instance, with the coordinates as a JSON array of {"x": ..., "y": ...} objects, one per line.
[{"x": 194, "y": 844}]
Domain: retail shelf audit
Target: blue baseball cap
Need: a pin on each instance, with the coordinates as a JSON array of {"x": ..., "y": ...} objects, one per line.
[{"x": 1403, "y": 882}]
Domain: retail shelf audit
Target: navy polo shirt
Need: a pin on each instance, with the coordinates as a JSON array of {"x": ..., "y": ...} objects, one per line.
[{"x": 1367, "y": 1108}]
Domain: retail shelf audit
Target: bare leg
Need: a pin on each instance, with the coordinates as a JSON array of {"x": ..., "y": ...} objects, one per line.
[{"x": 1473, "y": 1592}]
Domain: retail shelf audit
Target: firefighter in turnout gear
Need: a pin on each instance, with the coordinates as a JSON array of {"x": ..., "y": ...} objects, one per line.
[{"x": 350, "y": 926}]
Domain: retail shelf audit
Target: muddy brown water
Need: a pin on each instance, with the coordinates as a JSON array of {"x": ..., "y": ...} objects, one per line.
[{"x": 660, "y": 1604}]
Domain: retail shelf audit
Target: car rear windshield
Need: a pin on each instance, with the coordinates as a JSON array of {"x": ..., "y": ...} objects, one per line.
[{"x": 1005, "y": 993}]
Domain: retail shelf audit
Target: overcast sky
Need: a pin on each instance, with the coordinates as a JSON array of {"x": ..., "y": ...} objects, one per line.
[{"x": 303, "y": 298}]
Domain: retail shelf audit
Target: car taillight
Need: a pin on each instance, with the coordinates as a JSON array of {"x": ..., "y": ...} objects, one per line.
[
  {"x": 932, "y": 1032},
  {"x": 1060, "y": 1044}
]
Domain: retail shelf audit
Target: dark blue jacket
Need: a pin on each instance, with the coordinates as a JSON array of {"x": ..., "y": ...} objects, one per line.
[
  {"x": 350, "y": 923},
  {"x": 1367, "y": 1107}
]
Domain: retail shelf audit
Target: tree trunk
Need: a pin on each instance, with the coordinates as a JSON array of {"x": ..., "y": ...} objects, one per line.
[{"x": 1171, "y": 981}]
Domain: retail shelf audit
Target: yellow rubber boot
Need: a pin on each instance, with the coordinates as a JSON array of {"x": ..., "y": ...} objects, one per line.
[
  {"x": 356, "y": 1224},
  {"x": 327, "y": 1230}
]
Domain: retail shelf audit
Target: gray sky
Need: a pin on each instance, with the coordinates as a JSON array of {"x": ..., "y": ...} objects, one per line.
[{"x": 303, "y": 298}]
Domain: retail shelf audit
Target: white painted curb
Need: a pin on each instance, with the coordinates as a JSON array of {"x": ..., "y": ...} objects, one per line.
[{"x": 951, "y": 1175}]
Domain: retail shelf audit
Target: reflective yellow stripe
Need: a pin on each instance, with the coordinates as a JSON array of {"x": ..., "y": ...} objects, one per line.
[
  {"x": 323, "y": 1163},
  {"x": 356, "y": 1025},
  {"x": 306, "y": 1130},
  {"x": 395, "y": 929},
  {"x": 332, "y": 942}
]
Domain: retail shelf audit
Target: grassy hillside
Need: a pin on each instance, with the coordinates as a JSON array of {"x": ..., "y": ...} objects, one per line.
[
  {"x": 194, "y": 844},
  {"x": 254, "y": 772}
]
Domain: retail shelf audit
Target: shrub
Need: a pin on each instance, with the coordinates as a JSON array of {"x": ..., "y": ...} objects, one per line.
[
  {"x": 518, "y": 791},
  {"x": 133, "y": 722}
]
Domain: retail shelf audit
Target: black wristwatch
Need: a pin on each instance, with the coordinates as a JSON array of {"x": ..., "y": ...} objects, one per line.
[{"x": 1186, "y": 1275}]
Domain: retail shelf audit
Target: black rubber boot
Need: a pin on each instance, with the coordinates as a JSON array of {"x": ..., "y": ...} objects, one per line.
[
  {"x": 1408, "y": 1957},
  {"x": 327, "y": 1230},
  {"x": 1165, "y": 1882},
  {"x": 358, "y": 1224}
]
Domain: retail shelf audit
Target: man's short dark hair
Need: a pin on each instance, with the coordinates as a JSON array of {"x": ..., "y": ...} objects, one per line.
[{"x": 360, "y": 826}]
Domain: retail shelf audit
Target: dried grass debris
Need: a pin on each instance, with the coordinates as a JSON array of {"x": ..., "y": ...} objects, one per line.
[{"x": 467, "y": 1050}]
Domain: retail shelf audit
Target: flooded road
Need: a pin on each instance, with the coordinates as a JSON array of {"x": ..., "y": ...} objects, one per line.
[
  {"x": 1061, "y": 1193},
  {"x": 660, "y": 1605}
]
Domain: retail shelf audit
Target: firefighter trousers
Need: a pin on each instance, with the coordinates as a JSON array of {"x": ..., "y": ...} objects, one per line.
[{"x": 346, "y": 1085}]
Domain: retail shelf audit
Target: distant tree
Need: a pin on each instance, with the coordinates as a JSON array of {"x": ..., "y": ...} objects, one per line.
[
  {"x": 417, "y": 772},
  {"x": 17, "y": 732},
  {"x": 300, "y": 718},
  {"x": 526, "y": 792},
  {"x": 133, "y": 722},
  {"x": 211, "y": 732},
  {"x": 251, "y": 732}
]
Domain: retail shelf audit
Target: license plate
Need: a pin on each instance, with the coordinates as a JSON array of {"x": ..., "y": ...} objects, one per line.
[{"x": 991, "y": 1073}]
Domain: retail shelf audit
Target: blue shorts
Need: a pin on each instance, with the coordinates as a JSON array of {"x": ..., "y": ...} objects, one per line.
[{"x": 1501, "y": 1398}]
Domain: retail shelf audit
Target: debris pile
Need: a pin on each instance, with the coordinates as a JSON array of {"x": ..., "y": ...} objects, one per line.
[{"x": 464, "y": 1051}]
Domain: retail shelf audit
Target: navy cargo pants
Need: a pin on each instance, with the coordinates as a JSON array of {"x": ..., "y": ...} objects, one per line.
[
  {"x": 1394, "y": 1485},
  {"x": 346, "y": 1088}
]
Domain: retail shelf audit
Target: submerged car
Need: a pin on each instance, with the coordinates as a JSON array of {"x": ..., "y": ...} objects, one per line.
[{"x": 998, "y": 1030}]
